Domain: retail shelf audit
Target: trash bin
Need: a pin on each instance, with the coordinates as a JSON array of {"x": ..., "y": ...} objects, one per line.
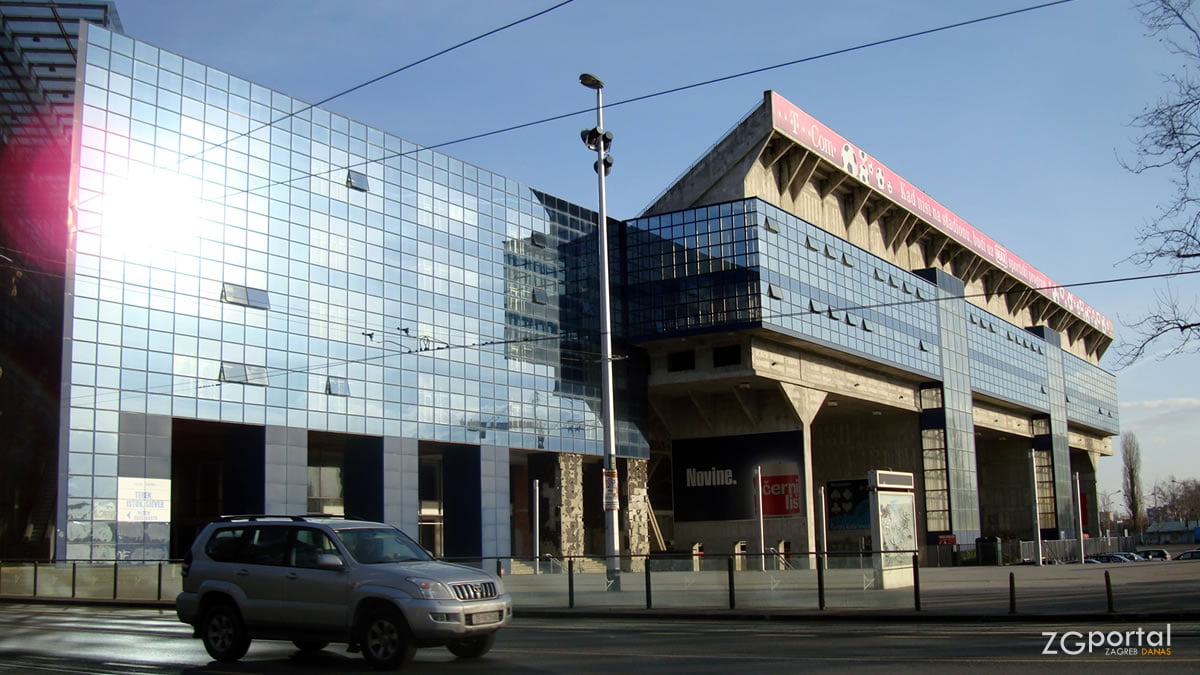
[{"x": 987, "y": 550}]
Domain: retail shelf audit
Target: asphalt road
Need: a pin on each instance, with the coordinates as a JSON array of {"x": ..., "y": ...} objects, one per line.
[{"x": 75, "y": 639}]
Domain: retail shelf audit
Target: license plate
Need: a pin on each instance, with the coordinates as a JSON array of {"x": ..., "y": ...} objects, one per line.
[{"x": 482, "y": 618}]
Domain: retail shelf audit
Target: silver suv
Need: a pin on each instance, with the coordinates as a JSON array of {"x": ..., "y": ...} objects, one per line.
[{"x": 320, "y": 579}]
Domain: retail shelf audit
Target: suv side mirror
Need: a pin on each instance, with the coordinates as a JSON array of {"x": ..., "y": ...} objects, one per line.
[{"x": 329, "y": 561}]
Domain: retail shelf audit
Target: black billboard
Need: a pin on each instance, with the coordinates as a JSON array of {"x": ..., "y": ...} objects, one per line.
[{"x": 714, "y": 477}]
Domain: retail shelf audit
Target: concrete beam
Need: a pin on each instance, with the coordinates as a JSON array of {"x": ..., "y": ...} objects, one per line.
[
  {"x": 777, "y": 147},
  {"x": 739, "y": 394},
  {"x": 933, "y": 247},
  {"x": 782, "y": 363},
  {"x": 857, "y": 202},
  {"x": 1085, "y": 441},
  {"x": 907, "y": 222},
  {"x": 832, "y": 182},
  {"x": 803, "y": 173},
  {"x": 702, "y": 415},
  {"x": 999, "y": 419},
  {"x": 806, "y": 403},
  {"x": 881, "y": 209}
]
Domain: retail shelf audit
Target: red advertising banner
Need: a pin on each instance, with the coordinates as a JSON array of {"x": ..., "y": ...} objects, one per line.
[
  {"x": 780, "y": 489},
  {"x": 807, "y": 131}
]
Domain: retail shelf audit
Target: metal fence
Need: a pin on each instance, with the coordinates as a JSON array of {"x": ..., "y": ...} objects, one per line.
[
  {"x": 1067, "y": 550},
  {"x": 761, "y": 581},
  {"x": 124, "y": 580}
]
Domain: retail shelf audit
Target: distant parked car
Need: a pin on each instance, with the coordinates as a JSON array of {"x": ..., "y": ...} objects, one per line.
[
  {"x": 1193, "y": 554},
  {"x": 1155, "y": 554},
  {"x": 1107, "y": 558},
  {"x": 1129, "y": 557}
]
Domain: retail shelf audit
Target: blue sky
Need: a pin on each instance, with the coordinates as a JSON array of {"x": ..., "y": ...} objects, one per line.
[{"x": 1018, "y": 125}]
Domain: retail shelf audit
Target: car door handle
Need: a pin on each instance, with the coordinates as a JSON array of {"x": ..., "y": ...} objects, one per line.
[
  {"x": 242, "y": 572},
  {"x": 291, "y": 575}
]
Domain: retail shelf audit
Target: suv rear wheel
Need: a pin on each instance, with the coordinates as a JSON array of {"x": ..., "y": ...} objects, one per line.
[
  {"x": 223, "y": 632},
  {"x": 386, "y": 643},
  {"x": 472, "y": 648}
]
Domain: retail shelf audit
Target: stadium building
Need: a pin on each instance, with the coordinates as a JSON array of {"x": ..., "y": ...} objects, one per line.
[{"x": 256, "y": 305}]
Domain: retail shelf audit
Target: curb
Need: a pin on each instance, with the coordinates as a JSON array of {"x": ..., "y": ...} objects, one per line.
[{"x": 850, "y": 616}]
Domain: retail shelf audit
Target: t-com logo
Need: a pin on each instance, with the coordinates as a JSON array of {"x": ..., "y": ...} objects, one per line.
[{"x": 1138, "y": 642}]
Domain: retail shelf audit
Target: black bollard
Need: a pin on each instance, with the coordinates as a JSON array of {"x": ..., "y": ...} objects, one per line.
[
  {"x": 732, "y": 599},
  {"x": 820, "y": 581},
  {"x": 1108, "y": 590},
  {"x": 1012, "y": 593},
  {"x": 649, "y": 598},
  {"x": 916, "y": 584}
]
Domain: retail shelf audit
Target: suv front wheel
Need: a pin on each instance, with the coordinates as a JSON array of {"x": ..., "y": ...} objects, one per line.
[
  {"x": 223, "y": 632},
  {"x": 385, "y": 640}
]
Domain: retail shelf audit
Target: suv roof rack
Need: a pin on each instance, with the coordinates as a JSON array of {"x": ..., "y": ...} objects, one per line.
[{"x": 280, "y": 516}]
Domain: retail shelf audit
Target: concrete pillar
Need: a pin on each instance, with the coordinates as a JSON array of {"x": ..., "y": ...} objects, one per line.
[
  {"x": 637, "y": 513},
  {"x": 401, "y": 501},
  {"x": 286, "y": 470},
  {"x": 806, "y": 403},
  {"x": 495, "y": 503},
  {"x": 1084, "y": 463},
  {"x": 569, "y": 503},
  {"x": 1059, "y": 444},
  {"x": 143, "y": 451}
]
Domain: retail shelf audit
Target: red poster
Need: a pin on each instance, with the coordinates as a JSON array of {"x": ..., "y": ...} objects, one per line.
[{"x": 780, "y": 489}]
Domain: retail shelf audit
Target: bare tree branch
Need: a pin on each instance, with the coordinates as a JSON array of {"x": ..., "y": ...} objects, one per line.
[{"x": 1170, "y": 139}]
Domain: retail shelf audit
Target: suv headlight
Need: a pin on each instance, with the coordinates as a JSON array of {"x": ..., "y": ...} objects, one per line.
[{"x": 430, "y": 589}]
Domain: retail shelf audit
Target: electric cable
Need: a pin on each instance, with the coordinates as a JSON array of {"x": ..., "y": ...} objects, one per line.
[
  {"x": 499, "y": 342},
  {"x": 365, "y": 84},
  {"x": 664, "y": 92}
]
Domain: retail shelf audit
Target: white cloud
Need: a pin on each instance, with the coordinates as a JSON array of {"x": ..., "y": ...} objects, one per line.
[
  {"x": 1159, "y": 404},
  {"x": 1168, "y": 431}
]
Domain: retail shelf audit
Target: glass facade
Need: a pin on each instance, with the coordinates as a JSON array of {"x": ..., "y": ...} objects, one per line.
[
  {"x": 240, "y": 257},
  {"x": 1007, "y": 362},
  {"x": 956, "y": 412},
  {"x": 227, "y": 266},
  {"x": 747, "y": 263},
  {"x": 1091, "y": 395}
]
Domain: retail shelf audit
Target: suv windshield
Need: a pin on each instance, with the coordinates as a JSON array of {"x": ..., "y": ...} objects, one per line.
[{"x": 372, "y": 545}]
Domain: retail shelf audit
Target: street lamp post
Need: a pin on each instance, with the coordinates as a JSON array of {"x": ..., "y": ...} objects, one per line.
[
  {"x": 600, "y": 140},
  {"x": 1109, "y": 510}
]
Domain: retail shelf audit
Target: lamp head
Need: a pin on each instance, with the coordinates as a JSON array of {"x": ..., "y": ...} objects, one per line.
[{"x": 591, "y": 81}]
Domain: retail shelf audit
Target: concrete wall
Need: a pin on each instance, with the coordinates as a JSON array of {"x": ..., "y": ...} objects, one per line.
[
  {"x": 569, "y": 503},
  {"x": 637, "y": 514},
  {"x": 719, "y": 536},
  {"x": 1005, "y": 488},
  {"x": 845, "y": 450}
]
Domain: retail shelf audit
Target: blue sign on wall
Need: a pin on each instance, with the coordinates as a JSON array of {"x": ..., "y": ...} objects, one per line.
[{"x": 848, "y": 505}]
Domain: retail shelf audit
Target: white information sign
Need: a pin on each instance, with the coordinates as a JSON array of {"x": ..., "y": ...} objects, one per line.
[{"x": 143, "y": 500}]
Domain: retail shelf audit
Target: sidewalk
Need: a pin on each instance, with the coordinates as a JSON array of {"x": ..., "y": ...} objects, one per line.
[
  {"x": 1158, "y": 591},
  {"x": 1155, "y": 590}
]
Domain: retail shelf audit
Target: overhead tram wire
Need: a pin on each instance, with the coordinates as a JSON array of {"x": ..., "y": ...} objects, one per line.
[
  {"x": 492, "y": 343},
  {"x": 372, "y": 81},
  {"x": 664, "y": 92}
]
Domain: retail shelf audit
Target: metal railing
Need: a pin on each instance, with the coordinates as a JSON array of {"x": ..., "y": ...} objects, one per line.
[
  {"x": 1067, "y": 550},
  {"x": 156, "y": 580}
]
